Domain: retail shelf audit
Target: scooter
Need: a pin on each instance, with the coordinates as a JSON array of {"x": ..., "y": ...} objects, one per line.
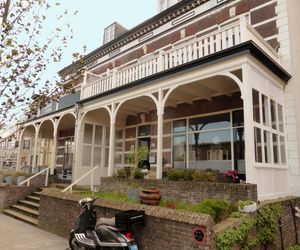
[{"x": 107, "y": 233}]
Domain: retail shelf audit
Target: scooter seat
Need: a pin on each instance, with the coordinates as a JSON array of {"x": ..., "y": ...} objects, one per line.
[{"x": 107, "y": 221}]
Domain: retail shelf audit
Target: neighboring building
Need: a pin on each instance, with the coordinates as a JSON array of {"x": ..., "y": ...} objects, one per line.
[
  {"x": 9, "y": 148},
  {"x": 203, "y": 84}
]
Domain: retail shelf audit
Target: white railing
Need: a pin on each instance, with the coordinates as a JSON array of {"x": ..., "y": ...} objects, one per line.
[
  {"x": 90, "y": 172},
  {"x": 37, "y": 174},
  {"x": 197, "y": 47}
]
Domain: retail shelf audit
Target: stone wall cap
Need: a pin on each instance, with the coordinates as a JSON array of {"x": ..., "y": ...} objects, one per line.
[{"x": 155, "y": 211}]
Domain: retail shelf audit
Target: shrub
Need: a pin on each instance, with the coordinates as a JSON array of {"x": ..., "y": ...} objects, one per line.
[
  {"x": 206, "y": 176},
  {"x": 138, "y": 174},
  {"x": 180, "y": 175},
  {"x": 218, "y": 209},
  {"x": 236, "y": 214},
  {"x": 190, "y": 174},
  {"x": 120, "y": 173},
  {"x": 231, "y": 176},
  {"x": 296, "y": 247}
]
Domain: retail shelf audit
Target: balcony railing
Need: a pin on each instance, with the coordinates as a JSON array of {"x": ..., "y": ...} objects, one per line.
[
  {"x": 194, "y": 48},
  {"x": 64, "y": 102}
]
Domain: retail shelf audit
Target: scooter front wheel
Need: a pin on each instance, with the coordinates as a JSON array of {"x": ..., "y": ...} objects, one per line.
[{"x": 73, "y": 243}]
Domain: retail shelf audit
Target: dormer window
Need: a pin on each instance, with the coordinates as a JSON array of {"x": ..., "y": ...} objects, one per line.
[
  {"x": 165, "y": 4},
  {"x": 112, "y": 31}
]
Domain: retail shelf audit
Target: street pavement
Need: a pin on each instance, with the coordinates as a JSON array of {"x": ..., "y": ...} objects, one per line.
[{"x": 17, "y": 235}]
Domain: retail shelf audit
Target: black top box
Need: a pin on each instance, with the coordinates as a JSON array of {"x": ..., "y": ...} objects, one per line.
[{"x": 130, "y": 219}]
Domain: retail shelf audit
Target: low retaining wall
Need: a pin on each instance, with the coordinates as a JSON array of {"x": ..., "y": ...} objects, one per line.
[
  {"x": 189, "y": 191},
  {"x": 165, "y": 228},
  {"x": 11, "y": 194},
  {"x": 288, "y": 227}
]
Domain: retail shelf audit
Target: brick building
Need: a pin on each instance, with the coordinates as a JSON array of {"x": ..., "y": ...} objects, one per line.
[{"x": 202, "y": 84}]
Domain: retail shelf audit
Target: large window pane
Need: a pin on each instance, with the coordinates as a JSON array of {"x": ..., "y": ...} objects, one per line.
[
  {"x": 97, "y": 156},
  {"x": 86, "y": 156},
  {"x": 256, "y": 106},
  {"x": 239, "y": 149},
  {"x": 210, "y": 122},
  {"x": 106, "y": 157},
  {"x": 267, "y": 146},
  {"x": 88, "y": 133},
  {"x": 280, "y": 117},
  {"x": 107, "y": 135},
  {"x": 179, "y": 151},
  {"x": 238, "y": 118},
  {"x": 98, "y": 135},
  {"x": 179, "y": 126},
  {"x": 275, "y": 148},
  {"x": 144, "y": 130},
  {"x": 257, "y": 145},
  {"x": 119, "y": 139},
  {"x": 265, "y": 111},
  {"x": 273, "y": 115},
  {"x": 282, "y": 150},
  {"x": 210, "y": 150}
]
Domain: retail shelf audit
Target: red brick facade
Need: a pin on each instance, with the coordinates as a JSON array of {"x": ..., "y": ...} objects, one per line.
[{"x": 220, "y": 16}]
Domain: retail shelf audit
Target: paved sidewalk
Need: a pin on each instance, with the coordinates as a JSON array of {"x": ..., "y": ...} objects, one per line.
[{"x": 17, "y": 235}]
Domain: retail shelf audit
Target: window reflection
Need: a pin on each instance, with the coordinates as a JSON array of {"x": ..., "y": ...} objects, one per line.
[
  {"x": 179, "y": 148},
  {"x": 257, "y": 145},
  {"x": 179, "y": 126},
  {"x": 208, "y": 147},
  {"x": 256, "y": 106},
  {"x": 210, "y": 122}
]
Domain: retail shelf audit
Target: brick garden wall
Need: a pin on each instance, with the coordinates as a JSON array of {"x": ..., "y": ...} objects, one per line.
[
  {"x": 11, "y": 194},
  {"x": 165, "y": 228},
  {"x": 187, "y": 191},
  {"x": 284, "y": 238}
]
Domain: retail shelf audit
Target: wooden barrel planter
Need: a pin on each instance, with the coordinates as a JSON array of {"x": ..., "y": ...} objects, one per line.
[{"x": 150, "y": 196}]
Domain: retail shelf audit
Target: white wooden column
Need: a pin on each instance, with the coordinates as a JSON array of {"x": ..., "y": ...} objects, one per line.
[
  {"x": 160, "y": 122},
  {"x": 77, "y": 150},
  {"x": 19, "y": 152},
  {"x": 248, "y": 126},
  {"x": 36, "y": 138},
  {"x": 112, "y": 133},
  {"x": 54, "y": 149},
  {"x": 103, "y": 148}
]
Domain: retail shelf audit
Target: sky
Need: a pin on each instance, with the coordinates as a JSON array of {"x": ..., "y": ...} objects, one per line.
[
  {"x": 88, "y": 25},
  {"x": 94, "y": 15}
]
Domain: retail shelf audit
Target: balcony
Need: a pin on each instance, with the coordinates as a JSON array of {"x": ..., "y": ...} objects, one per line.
[
  {"x": 65, "y": 102},
  {"x": 184, "y": 51}
]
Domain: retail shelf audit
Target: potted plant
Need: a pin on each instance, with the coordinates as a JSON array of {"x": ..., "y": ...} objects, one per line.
[
  {"x": 247, "y": 206},
  {"x": 150, "y": 196},
  {"x": 134, "y": 158}
]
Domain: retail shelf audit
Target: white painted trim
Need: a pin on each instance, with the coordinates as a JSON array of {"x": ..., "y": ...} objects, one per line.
[
  {"x": 263, "y": 5},
  {"x": 264, "y": 22}
]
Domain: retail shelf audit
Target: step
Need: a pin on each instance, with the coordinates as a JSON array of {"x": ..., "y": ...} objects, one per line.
[
  {"x": 33, "y": 198},
  {"x": 30, "y": 203},
  {"x": 36, "y": 193},
  {"x": 26, "y": 210},
  {"x": 21, "y": 217}
]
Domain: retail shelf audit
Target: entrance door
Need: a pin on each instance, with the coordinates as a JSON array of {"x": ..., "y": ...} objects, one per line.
[{"x": 145, "y": 142}]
